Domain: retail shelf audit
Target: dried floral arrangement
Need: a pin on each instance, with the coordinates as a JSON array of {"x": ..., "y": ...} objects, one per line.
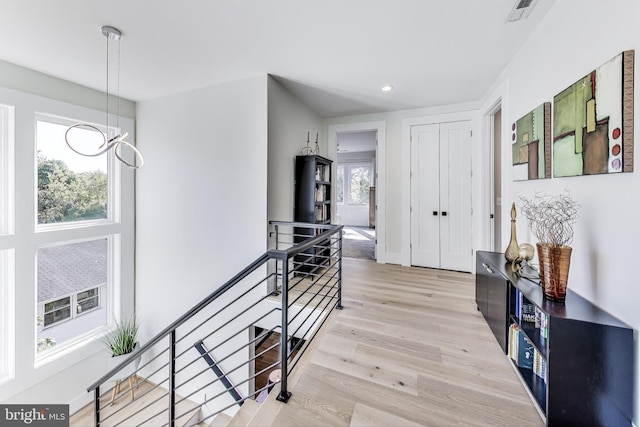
[{"x": 551, "y": 218}]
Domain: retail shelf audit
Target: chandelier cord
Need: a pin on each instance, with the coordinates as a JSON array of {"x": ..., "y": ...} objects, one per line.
[{"x": 117, "y": 142}]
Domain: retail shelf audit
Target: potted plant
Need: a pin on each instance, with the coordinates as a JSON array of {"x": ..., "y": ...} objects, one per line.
[
  {"x": 551, "y": 218},
  {"x": 121, "y": 342}
]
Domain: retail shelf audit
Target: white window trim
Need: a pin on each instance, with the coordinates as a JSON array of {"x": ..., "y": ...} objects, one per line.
[
  {"x": 27, "y": 372},
  {"x": 7, "y": 315},
  {"x": 7, "y": 243}
]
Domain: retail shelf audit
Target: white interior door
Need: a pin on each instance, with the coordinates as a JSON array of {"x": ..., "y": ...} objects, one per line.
[
  {"x": 455, "y": 196},
  {"x": 441, "y": 196},
  {"x": 425, "y": 199}
]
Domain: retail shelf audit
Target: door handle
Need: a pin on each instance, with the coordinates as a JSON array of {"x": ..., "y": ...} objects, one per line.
[
  {"x": 486, "y": 267},
  {"x": 435, "y": 213},
  {"x": 444, "y": 213}
]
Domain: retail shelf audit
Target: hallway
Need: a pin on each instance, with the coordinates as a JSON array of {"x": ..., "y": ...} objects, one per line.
[
  {"x": 409, "y": 348},
  {"x": 359, "y": 242}
]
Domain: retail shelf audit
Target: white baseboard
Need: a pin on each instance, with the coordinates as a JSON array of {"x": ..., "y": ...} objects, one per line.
[
  {"x": 80, "y": 402},
  {"x": 393, "y": 258}
]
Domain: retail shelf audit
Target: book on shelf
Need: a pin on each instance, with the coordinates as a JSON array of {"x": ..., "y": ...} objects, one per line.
[
  {"x": 525, "y": 310},
  {"x": 512, "y": 351},
  {"x": 544, "y": 325},
  {"x": 525, "y": 351},
  {"x": 539, "y": 365},
  {"x": 520, "y": 350}
]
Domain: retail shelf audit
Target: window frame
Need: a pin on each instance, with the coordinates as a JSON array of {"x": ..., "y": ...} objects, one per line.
[
  {"x": 113, "y": 179},
  {"x": 7, "y": 243},
  {"x": 338, "y": 192},
  {"x": 348, "y": 166},
  {"x": 20, "y": 246}
]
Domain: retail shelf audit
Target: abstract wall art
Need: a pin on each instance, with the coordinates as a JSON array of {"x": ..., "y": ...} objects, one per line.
[
  {"x": 531, "y": 144},
  {"x": 593, "y": 121}
]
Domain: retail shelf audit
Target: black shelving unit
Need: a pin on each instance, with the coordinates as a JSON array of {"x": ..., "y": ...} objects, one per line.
[
  {"x": 588, "y": 352},
  {"x": 312, "y": 204}
]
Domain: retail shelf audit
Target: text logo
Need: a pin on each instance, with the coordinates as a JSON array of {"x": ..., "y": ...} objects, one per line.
[{"x": 34, "y": 415}]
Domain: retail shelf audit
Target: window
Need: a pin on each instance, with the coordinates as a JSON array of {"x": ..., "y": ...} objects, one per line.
[
  {"x": 71, "y": 187},
  {"x": 57, "y": 311},
  {"x": 355, "y": 189},
  {"x": 359, "y": 183},
  {"x": 74, "y": 278},
  {"x": 70, "y": 277},
  {"x": 63, "y": 204},
  {"x": 87, "y": 301}
]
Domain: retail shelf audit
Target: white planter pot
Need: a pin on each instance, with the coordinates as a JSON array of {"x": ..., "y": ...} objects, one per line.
[{"x": 128, "y": 370}]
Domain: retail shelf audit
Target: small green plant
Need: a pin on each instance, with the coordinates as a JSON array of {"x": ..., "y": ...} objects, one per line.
[{"x": 122, "y": 339}]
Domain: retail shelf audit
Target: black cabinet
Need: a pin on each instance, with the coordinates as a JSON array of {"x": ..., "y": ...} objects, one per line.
[
  {"x": 491, "y": 298},
  {"x": 586, "y": 353}
]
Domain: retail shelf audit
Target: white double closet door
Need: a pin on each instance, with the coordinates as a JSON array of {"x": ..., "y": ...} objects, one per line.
[{"x": 441, "y": 196}]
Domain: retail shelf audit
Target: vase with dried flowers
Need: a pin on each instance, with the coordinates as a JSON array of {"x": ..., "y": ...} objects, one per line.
[{"x": 551, "y": 219}]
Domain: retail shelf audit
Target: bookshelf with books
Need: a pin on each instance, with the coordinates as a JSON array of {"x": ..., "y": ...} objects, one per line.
[
  {"x": 575, "y": 360},
  {"x": 312, "y": 201}
]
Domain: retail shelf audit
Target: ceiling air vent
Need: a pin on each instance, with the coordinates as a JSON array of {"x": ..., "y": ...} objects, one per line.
[{"x": 521, "y": 10}]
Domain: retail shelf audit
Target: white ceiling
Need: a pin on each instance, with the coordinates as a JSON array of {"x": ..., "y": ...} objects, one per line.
[{"x": 333, "y": 54}]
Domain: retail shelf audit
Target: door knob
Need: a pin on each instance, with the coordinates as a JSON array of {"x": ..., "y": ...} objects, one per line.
[
  {"x": 435, "y": 213},
  {"x": 444, "y": 213}
]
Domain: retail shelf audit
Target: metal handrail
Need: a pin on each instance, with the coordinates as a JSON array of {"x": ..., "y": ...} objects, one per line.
[
  {"x": 304, "y": 259},
  {"x": 182, "y": 319}
]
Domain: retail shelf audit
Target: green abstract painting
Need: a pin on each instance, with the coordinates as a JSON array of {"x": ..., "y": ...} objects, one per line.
[
  {"x": 531, "y": 144},
  {"x": 593, "y": 121}
]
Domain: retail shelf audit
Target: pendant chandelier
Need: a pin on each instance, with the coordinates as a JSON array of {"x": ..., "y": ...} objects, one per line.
[{"x": 123, "y": 150}]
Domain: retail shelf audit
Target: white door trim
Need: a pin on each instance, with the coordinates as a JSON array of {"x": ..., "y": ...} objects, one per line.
[
  {"x": 381, "y": 156},
  {"x": 496, "y": 100},
  {"x": 406, "y": 169}
]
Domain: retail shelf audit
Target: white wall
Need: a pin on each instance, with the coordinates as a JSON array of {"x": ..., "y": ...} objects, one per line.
[
  {"x": 289, "y": 122},
  {"x": 575, "y": 37},
  {"x": 201, "y": 196},
  {"x": 396, "y": 175}
]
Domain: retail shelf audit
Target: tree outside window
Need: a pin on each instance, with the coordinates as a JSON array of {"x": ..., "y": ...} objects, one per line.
[
  {"x": 360, "y": 181},
  {"x": 340, "y": 184},
  {"x": 354, "y": 189},
  {"x": 70, "y": 187}
]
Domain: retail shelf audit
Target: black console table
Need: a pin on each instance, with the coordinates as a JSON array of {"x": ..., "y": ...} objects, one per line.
[{"x": 587, "y": 353}]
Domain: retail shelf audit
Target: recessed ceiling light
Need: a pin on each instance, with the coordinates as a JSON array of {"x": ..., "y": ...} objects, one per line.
[{"x": 387, "y": 88}]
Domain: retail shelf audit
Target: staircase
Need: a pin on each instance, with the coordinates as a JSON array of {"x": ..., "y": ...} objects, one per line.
[{"x": 200, "y": 370}]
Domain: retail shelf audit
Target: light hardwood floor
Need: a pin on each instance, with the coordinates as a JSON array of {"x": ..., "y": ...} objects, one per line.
[{"x": 409, "y": 348}]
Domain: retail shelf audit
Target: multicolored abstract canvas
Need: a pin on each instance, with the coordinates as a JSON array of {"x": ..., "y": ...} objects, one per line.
[
  {"x": 531, "y": 147},
  {"x": 593, "y": 121}
]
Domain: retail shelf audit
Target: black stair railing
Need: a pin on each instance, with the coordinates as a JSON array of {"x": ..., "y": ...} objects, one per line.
[{"x": 291, "y": 289}]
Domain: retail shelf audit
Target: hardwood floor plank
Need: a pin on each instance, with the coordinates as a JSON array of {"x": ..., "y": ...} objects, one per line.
[
  {"x": 366, "y": 416},
  {"x": 416, "y": 323}
]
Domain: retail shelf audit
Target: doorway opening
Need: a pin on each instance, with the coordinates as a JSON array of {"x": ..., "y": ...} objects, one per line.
[
  {"x": 358, "y": 149},
  {"x": 355, "y": 192}
]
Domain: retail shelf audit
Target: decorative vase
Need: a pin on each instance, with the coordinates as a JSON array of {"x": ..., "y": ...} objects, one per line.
[
  {"x": 554, "y": 270},
  {"x": 511, "y": 253}
]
